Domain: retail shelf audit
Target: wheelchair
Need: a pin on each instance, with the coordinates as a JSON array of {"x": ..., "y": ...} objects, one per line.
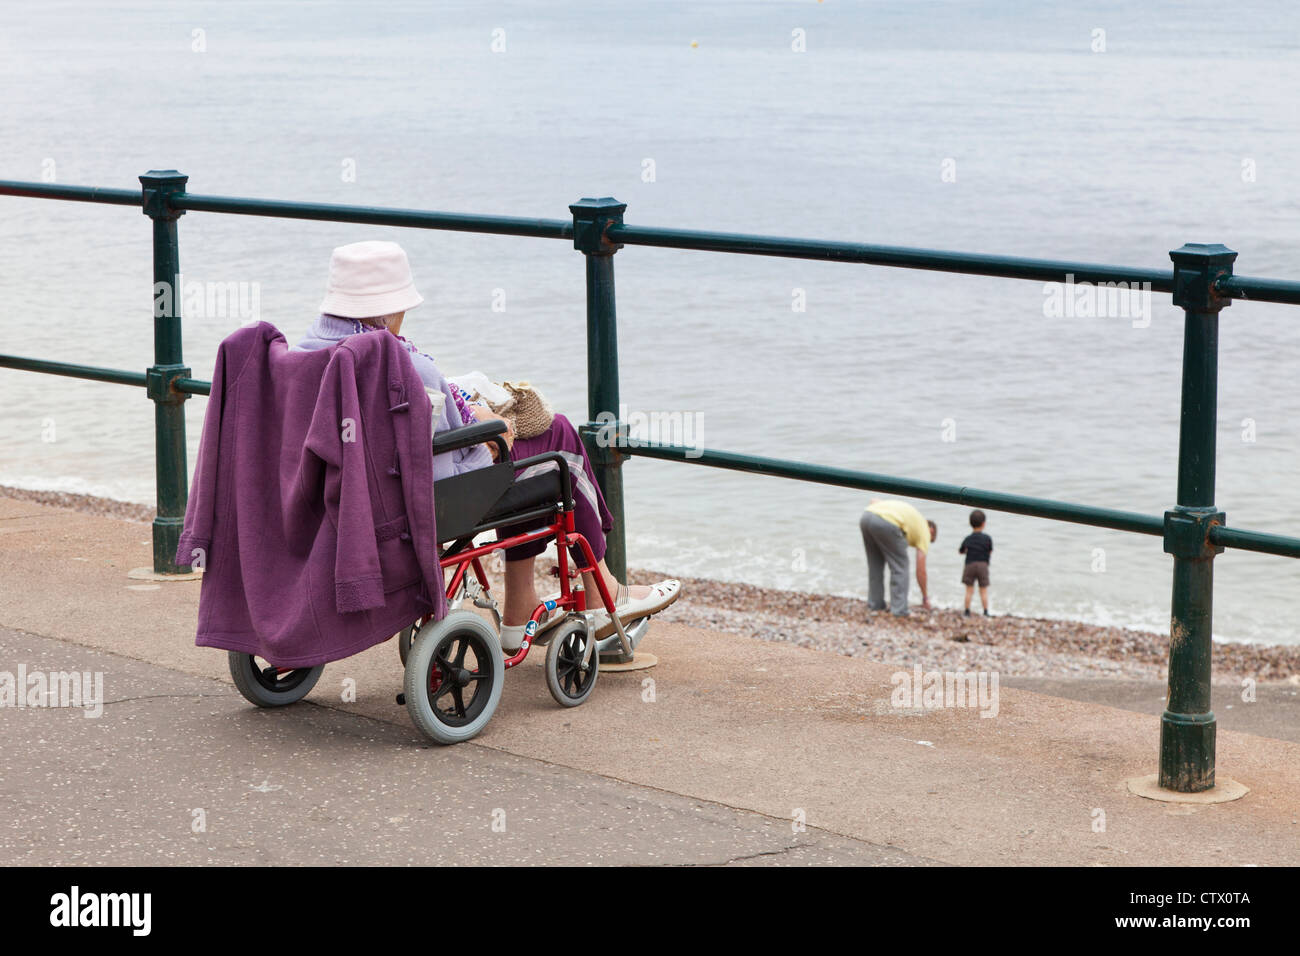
[{"x": 455, "y": 668}]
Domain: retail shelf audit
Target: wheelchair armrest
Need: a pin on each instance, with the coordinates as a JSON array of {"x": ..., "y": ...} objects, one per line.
[
  {"x": 466, "y": 435},
  {"x": 562, "y": 462}
]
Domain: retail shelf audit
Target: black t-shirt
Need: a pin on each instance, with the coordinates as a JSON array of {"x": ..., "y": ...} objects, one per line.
[{"x": 976, "y": 547}]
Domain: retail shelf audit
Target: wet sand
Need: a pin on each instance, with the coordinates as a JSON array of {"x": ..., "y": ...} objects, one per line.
[{"x": 937, "y": 639}]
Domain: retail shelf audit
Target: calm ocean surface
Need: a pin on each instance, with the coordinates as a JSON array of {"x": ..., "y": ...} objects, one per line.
[{"x": 1058, "y": 151}]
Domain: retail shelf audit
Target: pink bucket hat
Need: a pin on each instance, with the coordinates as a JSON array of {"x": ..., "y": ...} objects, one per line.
[{"x": 369, "y": 279}]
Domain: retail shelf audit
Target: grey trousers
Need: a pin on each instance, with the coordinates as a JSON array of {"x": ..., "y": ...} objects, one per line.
[{"x": 885, "y": 544}]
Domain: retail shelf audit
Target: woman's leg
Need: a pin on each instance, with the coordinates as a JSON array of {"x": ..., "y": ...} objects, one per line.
[
  {"x": 591, "y": 517},
  {"x": 612, "y": 584},
  {"x": 521, "y": 592}
]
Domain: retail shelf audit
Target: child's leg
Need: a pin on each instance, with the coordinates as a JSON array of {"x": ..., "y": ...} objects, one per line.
[
  {"x": 984, "y": 596},
  {"x": 970, "y": 590}
]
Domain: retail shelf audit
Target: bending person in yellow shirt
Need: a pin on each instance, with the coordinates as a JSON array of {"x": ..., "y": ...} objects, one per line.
[{"x": 888, "y": 528}]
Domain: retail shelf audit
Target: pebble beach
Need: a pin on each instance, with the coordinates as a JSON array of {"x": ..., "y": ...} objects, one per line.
[
  {"x": 945, "y": 639},
  {"x": 942, "y": 639}
]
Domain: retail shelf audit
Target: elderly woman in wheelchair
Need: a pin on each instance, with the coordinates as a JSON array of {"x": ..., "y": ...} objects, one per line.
[{"x": 531, "y": 491}]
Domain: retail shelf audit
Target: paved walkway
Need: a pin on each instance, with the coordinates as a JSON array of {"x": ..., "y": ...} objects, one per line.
[{"x": 738, "y": 739}]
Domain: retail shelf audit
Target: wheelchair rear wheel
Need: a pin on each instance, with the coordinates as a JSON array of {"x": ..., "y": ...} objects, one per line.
[
  {"x": 568, "y": 678},
  {"x": 268, "y": 686},
  {"x": 454, "y": 676}
]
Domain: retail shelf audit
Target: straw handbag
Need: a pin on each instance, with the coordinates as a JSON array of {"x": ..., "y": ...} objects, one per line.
[{"x": 527, "y": 409}]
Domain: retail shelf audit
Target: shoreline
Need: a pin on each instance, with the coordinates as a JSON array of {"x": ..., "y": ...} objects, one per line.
[{"x": 938, "y": 639}]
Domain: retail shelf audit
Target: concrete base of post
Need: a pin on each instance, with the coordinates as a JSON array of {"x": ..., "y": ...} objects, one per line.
[
  {"x": 1225, "y": 789},
  {"x": 639, "y": 661}
]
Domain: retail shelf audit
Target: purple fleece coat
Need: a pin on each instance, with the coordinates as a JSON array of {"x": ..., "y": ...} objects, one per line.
[{"x": 311, "y": 508}]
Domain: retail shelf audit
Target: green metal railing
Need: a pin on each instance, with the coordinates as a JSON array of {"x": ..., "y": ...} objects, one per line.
[{"x": 1201, "y": 282}]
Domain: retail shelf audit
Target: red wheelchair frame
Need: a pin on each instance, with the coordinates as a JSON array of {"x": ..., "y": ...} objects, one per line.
[{"x": 569, "y": 599}]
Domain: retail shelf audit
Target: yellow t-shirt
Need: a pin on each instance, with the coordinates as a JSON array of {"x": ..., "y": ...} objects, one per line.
[{"x": 900, "y": 513}]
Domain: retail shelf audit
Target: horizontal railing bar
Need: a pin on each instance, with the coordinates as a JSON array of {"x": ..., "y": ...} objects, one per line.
[
  {"x": 903, "y": 257},
  {"x": 932, "y": 490},
  {"x": 92, "y": 372},
  {"x": 192, "y": 386},
  {"x": 116, "y": 197},
  {"x": 378, "y": 216},
  {"x": 1009, "y": 267},
  {"x": 1259, "y": 290},
  {"x": 1238, "y": 538},
  {"x": 1260, "y": 541}
]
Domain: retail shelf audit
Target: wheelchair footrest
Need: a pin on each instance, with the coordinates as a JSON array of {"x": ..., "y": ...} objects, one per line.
[{"x": 611, "y": 648}]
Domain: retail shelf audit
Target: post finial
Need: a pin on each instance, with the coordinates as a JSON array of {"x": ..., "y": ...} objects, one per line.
[
  {"x": 591, "y": 221},
  {"x": 1198, "y": 266},
  {"x": 158, "y": 185}
]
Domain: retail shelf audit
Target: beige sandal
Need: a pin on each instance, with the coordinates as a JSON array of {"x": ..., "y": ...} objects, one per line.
[{"x": 661, "y": 595}]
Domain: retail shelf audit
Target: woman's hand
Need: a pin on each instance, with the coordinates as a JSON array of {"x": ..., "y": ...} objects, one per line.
[{"x": 484, "y": 414}]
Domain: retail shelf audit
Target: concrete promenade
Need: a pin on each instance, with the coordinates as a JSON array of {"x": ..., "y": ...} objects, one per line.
[{"x": 739, "y": 752}]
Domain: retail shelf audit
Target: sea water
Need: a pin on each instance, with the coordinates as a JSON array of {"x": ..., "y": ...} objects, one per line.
[{"x": 1102, "y": 132}]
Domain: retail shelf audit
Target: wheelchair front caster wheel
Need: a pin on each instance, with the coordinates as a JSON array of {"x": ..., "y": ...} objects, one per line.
[
  {"x": 569, "y": 679},
  {"x": 454, "y": 675},
  {"x": 266, "y": 685}
]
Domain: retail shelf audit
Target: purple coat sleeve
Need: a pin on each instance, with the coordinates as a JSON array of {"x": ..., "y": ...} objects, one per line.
[{"x": 335, "y": 437}]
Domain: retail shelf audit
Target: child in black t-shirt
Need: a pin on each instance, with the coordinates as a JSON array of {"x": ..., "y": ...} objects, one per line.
[{"x": 978, "y": 548}]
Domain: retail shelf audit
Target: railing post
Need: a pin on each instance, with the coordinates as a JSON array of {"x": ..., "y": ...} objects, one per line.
[
  {"x": 1187, "y": 727},
  {"x": 603, "y": 431},
  {"x": 171, "y": 471}
]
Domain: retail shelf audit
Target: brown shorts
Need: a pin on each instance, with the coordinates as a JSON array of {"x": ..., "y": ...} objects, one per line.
[{"x": 977, "y": 572}]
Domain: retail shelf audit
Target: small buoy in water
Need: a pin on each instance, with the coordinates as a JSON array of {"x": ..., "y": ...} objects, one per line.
[{"x": 694, "y": 44}]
